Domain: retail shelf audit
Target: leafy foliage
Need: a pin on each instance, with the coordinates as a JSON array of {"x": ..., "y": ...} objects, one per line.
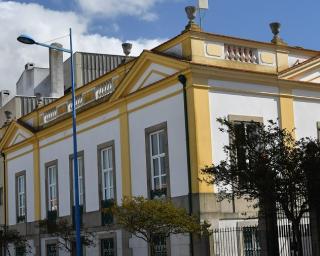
[
  {"x": 66, "y": 234},
  {"x": 149, "y": 219},
  {"x": 268, "y": 165},
  {"x": 272, "y": 168},
  {"x": 12, "y": 236}
]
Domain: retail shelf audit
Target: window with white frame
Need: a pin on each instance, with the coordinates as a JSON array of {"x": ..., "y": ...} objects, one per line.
[
  {"x": 80, "y": 179},
  {"x": 21, "y": 197},
  {"x": 52, "y": 186},
  {"x": 158, "y": 156},
  {"x": 107, "y": 173}
]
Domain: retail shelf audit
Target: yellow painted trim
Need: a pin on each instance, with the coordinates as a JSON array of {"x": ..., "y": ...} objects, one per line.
[
  {"x": 20, "y": 155},
  {"x": 37, "y": 182},
  {"x": 145, "y": 59},
  {"x": 164, "y": 75},
  {"x": 115, "y": 117},
  {"x": 11, "y": 132},
  {"x": 300, "y": 70},
  {"x": 199, "y": 136},
  {"x": 16, "y": 137},
  {"x": 125, "y": 152},
  {"x": 18, "y": 146},
  {"x": 286, "y": 109},
  {"x": 108, "y": 106},
  {"x": 117, "y": 73},
  {"x": 81, "y": 131},
  {"x": 156, "y": 101}
]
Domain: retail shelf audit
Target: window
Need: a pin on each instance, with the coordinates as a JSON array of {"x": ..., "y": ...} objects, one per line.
[
  {"x": 52, "y": 186},
  {"x": 20, "y": 251},
  {"x": 107, "y": 173},
  {"x": 108, "y": 247},
  {"x": 107, "y": 180},
  {"x": 81, "y": 184},
  {"x": 244, "y": 126},
  {"x": 157, "y": 160},
  {"x": 80, "y": 162},
  {"x": 52, "y": 250},
  {"x": 1, "y": 195},
  {"x": 21, "y": 196},
  {"x": 158, "y": 156},
  {"x": 243, "y": 130},
  {"x": 161, "y": 246}
]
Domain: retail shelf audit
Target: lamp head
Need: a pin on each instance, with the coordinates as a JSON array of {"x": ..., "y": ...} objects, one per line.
[{"x": 25, "y": 39}]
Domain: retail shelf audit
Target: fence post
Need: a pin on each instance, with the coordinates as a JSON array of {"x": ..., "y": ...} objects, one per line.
[
  {"x": 268, "y": 230},
  {"x": 314, "y": 204}
]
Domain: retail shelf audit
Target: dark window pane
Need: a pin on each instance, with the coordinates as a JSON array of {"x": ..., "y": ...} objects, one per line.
[
  {"x": 155, "y": 166},
  {"x": 107, "y": 247},
  {"x": 154, "y": 144},
  {"x": 161, "y": 142},
  {"x": 52, "y": 250}
]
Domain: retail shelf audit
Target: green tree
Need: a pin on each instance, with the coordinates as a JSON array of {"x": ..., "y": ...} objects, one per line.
[
  {"x": 149, "y": 219},
  {"x": 264, "y": 163},
  {"x": 12, "y": 236}
]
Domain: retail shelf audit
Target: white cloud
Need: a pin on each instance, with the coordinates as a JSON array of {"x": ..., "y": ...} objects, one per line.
[
  {"x": 44, "y": 24},
  {"x": 113, "y": 8}
]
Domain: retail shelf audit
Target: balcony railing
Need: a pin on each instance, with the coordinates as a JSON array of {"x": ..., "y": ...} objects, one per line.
[
  {"x": 82, "y": 99},
  {"x": 241, "y": 54}
]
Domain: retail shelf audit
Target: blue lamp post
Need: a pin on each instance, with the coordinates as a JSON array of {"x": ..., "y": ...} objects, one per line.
[{"x": 29, "y": 40}]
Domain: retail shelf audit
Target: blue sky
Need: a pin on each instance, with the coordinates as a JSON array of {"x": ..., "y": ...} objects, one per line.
[
  {"x": 246, "y": 18},
  {"x": 101, "y": 25}
]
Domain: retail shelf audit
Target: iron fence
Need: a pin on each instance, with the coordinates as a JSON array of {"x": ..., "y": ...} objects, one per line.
[
  {"x": 245, "y": 241},
  {"x": 236, "y": 241}
]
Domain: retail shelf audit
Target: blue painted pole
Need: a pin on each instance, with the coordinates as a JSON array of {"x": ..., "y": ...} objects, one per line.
[{"x": 75, "y": 154}]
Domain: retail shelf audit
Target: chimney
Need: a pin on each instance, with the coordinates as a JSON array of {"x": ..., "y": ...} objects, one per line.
[
  {"x": 56, "y": 71},
  {"x": 29, "y": 66},
  {"x": 8, "y": 115},
  {"x": 5, "y": 96}
]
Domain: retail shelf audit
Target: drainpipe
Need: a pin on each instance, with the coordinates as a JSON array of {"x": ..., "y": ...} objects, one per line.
[{"x": 183, "y": 80}]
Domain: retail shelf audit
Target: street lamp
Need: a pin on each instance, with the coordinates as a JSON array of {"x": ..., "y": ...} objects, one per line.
[{"x": 29, "y": 40}]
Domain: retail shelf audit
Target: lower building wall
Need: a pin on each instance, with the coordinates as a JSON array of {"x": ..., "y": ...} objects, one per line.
[{"x": 206, "y": 206}]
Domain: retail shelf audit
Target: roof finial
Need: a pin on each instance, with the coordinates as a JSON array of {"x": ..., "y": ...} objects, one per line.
[
  {"x": 191, "y": 14},
  {"x": 275, "y": 28}
]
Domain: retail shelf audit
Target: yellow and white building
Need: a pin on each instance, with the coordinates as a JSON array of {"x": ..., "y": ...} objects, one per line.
[{"x": 139, "y": 135}]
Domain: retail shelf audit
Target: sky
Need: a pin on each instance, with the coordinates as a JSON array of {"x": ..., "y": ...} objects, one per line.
[{"x": 102, "y": 25}]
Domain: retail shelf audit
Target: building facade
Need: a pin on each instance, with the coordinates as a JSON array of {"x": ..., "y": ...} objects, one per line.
[{"x": 147, "y": 128}]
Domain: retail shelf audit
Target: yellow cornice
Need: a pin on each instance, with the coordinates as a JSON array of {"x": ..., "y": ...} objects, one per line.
[
  {"x": 172, "y": 42},
  {"x": 105, "y": 107},
  {"x": 219, "y": 73},
  {"x": 139, "y": 67},
  {"x": 295, "y": 71},
  {"x": 10, "y": 132}
]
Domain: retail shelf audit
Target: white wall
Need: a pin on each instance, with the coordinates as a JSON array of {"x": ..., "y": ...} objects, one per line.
[
  {"x": 23, "y": 163},
  {"x": 88, "y": 142},
  {"x": 224, "y": 103},
  {"x": 171, "y": 111},
  {"x": 306, "y": 113}
]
